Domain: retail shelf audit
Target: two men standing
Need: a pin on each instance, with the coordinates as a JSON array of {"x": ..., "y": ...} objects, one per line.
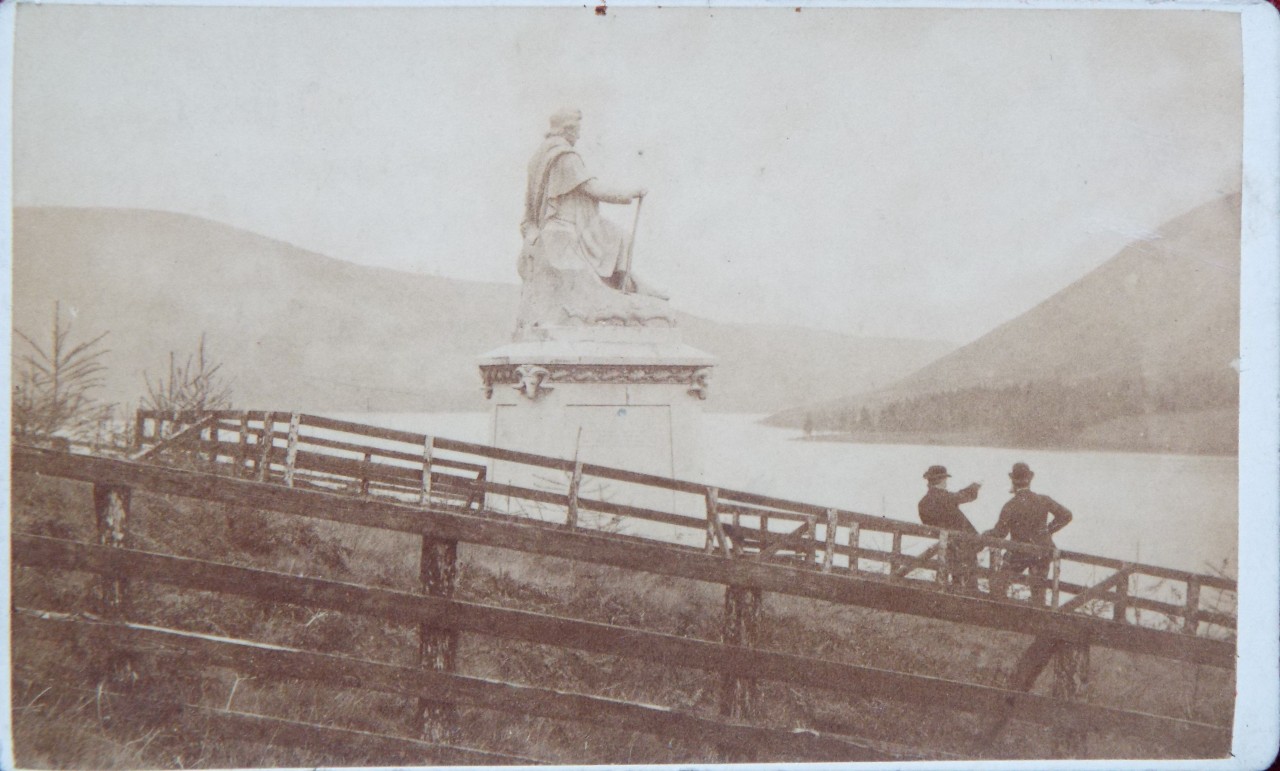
[{"x": 1028, "y": 517}]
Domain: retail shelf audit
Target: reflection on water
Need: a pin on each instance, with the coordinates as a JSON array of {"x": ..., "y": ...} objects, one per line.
[{"x": 1178, "y": 511}]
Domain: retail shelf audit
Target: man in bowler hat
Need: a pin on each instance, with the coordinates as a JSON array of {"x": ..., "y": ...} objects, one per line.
[
  {"x": 1029, "y": 518},
  {"x": 941, "y": 508}
]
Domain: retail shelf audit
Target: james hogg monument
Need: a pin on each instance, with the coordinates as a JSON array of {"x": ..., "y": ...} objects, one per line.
[{"x": 596, "y": 368}]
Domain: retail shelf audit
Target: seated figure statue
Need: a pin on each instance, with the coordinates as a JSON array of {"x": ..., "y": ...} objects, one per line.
[{"x": 573, "y": 263}]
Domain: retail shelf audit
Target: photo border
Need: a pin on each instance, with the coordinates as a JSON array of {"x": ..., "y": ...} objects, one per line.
[{"x": 1256, "y": 733}]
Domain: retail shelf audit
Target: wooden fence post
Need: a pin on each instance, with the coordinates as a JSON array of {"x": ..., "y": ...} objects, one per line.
[
  {"x": 438, "y": 648},
  {"x": 1191, "y": 620},
  {"x": 710, "y": 544},
  {"x": 997, "y": 582},
  {"x": 266, "y": 441},
  {"x": 1056, "y": 597},
  {"x": 1071, "y": 683},
  {"x": 940, "y": 574},
  {"x": 111, "y": 511},
  {"x": 896, "y": 552},
  {"x": 737, "y": 529},
  {"x": 740, "y": 626},
  {"x": 291, "y": 449},
  {"x": 1120, "y": 606},
  {"x": 829, "y": 549},
  {"x": 575, "y": 482},
  {"x": 242, "y": 455},
  {"x": 213, "y": 442},
  {"x": 855, "y": 533},
  {"x": 478, "y": 493},
  {"x": 811, "y": 530},
  {"x": 139, "y": 430},
  {"x": 715, "y": 532},
  {"x": 428, "y": 453}
]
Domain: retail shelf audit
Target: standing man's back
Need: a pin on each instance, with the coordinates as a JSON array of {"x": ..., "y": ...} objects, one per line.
[{"x": 1031, "y": 518}]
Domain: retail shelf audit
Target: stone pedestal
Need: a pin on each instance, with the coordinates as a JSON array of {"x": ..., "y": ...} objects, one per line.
[{"x": 629, "y": 397}]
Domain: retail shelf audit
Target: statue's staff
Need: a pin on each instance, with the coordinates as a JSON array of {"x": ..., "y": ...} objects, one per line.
[{"x": 631, "y": 245}]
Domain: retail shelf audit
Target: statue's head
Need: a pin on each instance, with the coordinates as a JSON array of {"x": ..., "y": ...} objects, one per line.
[{"x": 566, "y": 122}]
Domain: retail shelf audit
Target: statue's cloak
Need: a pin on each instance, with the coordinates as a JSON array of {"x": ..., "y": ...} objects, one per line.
[
  {"x": 570, "y": 251},
  {"x": 542, "y": 185}
]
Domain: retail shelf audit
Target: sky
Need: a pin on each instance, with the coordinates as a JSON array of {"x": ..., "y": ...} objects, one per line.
[{"x": 914, "y": 173}]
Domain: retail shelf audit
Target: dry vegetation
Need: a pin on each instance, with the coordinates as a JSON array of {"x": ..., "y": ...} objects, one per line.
[{"x": 56, "y": 726}]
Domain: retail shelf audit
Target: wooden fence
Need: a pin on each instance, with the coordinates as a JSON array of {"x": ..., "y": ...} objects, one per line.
[
  {"x": 446, "y": 492},
  {"x": 322, "y": 453}
]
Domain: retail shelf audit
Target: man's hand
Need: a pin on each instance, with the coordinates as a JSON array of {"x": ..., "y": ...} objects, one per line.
[{"x": 639, "y": 192}]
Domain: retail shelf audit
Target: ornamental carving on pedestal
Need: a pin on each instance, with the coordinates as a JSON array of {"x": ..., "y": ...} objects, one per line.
[
  {"x": 533, "y": 379},
  {"x": 700, "y": 382}
]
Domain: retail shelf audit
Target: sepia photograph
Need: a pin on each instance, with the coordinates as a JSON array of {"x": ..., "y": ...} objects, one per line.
[{"x": 432, "y": 385}]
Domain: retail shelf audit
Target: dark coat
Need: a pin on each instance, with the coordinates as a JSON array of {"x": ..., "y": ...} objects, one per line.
[
  {"x": 1025, "y": 518},
  {"x": 941, "y": 508}
]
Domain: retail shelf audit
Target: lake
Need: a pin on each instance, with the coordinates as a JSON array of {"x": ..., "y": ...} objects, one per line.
[{"x": 1178, "y": 511}]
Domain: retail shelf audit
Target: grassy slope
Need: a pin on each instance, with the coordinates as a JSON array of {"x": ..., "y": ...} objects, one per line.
[{"x": 74, "y": 730}]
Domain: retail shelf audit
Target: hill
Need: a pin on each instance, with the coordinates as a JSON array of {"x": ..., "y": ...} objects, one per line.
[
  {"x": 301, "y": 330},
  {"x": 1120, "y": 358}
]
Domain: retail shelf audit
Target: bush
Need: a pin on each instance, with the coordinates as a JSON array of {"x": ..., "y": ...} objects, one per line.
[
  {"x": 53, "y": 387},
  {"x": 195, "y": 386}
]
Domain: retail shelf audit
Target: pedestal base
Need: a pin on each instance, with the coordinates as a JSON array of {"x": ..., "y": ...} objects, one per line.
[{"x": 629, "y": 398}]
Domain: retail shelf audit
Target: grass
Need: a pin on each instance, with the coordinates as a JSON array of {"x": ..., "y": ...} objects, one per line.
[{"x": 56, "y": 727}]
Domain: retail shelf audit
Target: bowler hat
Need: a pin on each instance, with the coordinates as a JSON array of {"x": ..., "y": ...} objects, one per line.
[
  {"x": 936, "y": 472},
  {"x": 1021, "y": 471}
]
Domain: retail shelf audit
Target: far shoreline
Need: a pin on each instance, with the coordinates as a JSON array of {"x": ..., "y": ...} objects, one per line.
[{"x": 963, "y": 440}]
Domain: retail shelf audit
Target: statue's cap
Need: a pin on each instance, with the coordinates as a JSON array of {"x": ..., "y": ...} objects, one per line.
[{"x": 564, "y": 116}]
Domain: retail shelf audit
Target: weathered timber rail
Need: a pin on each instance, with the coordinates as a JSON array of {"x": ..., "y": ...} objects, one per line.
[
  {"x": 323, "y": 453},
  {"x": 669, "y": 650},
  {"x": 448, "y": 492},
  {"x": 267, "y": 661},
  {"x": 521, "y": 534}
]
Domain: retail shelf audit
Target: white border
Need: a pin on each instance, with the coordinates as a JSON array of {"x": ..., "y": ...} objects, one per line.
[
  {"x": 1256, "y": 735},
  {"x": 1230, "y": 6},
  {"x": 7, "y": 15},
  {"x": 1254, "y": 740}
]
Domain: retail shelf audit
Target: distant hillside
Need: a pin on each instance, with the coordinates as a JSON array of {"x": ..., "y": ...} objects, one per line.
[
  {"x": 300, "y": 330},
  {"x": 1150, "y": 334}
]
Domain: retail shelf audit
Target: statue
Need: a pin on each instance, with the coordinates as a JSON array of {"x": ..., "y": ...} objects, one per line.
[{"x": 574, "y": 263}]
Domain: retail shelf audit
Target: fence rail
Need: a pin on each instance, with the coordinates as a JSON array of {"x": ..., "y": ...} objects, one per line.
[
  {"x": 281, "y": 662},
  {"x": 325, "y": 453},
  {"x": 489, "y": 528},
  {"x": 449, "y": 492},
  {"x": 670, "y": 650},
  {"x": 231, "y": 725}
]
